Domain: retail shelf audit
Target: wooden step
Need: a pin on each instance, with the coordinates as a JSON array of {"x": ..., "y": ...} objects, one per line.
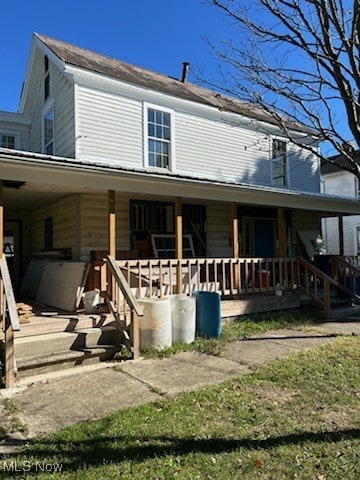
[
  {"x": 61, "y": 360},
  {"x": 259, "y": 303}
]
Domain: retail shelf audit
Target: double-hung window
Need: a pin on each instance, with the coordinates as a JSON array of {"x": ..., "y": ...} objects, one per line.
[
  {"x": 7, "y": 141},
  {"x": 279, "y": 160},
  {"x": 158, "y": 129}
]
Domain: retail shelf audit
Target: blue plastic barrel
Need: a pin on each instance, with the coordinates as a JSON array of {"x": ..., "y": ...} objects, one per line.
[{"x": 208, "y": 314}]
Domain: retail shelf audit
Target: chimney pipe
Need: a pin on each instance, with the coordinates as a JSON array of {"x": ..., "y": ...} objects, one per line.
[{"x": 185, "y": 72}]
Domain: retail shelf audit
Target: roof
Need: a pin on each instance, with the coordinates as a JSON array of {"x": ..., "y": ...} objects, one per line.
[
  {"x": 60, "y": 171},
  {"x": 338, "y": 163},
  {"x": 110, "y": 67}
]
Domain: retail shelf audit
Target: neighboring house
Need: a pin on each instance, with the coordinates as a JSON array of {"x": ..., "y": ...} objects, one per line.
[
  {"x": 89, "y": 125},
  {"x": 340, "y": 182}
]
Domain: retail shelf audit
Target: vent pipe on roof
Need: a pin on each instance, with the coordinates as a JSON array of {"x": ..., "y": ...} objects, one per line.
[{"x": 185, "y": 72}]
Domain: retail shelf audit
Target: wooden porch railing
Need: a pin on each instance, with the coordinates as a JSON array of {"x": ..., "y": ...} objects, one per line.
[
  {"x": 347, "y": 275},
  {"x": 227, "y": 276},
  {"x": 315, "y": 284},
  {"x": 123, "y": 304},
  {"x": 9, "y": 322}
]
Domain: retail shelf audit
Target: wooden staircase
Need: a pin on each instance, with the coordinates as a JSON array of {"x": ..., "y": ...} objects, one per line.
[
  {"x": 337, "y": 294},
  {"x": 54, "y": 343}
]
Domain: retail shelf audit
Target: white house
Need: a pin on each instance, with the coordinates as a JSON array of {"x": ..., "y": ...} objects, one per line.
[
  {"x": 340, "y": 182},
  {"x": 88, "y": 125}
]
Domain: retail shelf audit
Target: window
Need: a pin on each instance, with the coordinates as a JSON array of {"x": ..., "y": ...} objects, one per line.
[
  {"x": 46, "y": 78},
  {"x": 48, "y": 132},
  {"x": 279, "y": 163},
  {"x": 7, "y": 141},
  {"x": 158, "y": 138}
]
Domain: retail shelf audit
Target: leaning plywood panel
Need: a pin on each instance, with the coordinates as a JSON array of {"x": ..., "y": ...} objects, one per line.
[
  {"x": 62, "y": 284},
  {"x": 32, "y": 278}
]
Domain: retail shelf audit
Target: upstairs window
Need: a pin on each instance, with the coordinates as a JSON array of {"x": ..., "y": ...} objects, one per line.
[
  {"x": 279, "y": 171},
  {"x": 7, "y": 141},
  {"x": 48, "y": 132},
  {"x": 46, "y": 78},
  {"x": 158, "y": 138}
]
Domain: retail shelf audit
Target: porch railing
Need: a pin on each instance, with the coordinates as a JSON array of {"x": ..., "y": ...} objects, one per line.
[
  {"x": 9, "y": 322},
  {"x": 315, "y": 284},
  {"x": 228, "y": 276},
  {"x": 123, "y": 305},
  {"x": 347, "y": 275}
]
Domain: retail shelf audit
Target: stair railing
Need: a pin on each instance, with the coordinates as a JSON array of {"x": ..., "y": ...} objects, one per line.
[
  {"x": 315, "y": 284},
  {"x": 9, "y": 321},
  {"x": 347, "y": 275},
  {"x": 120, "y": 297}
]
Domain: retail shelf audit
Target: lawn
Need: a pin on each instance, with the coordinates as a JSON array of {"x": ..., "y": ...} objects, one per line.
[{"x": 293, "y": 419}]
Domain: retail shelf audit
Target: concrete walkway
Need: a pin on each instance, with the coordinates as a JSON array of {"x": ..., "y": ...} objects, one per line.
[{"x": 45, "y": 404}]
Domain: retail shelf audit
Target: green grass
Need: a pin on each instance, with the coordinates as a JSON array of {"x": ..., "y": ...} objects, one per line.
[
  {"x": 296, "y": 418},
  {"x": 231, "y": 331}
]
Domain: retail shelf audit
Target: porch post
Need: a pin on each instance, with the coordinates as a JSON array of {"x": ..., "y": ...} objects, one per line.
[
  {"x": 235, "y": 243},
  {"x": 281, "y": 232},
  {"x": 112, "y": 223},
  {"x": 341, "y": 235},
  {"x": 1, "y": 219},
  {"x": 235, "y": 230},
  {"x": 178, "y": 242}
]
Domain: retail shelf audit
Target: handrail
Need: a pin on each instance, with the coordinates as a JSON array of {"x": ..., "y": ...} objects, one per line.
[
  {"x": 131, "y": 301},
  {"x": 340, "y": 267},
  {"x": 123, "y": 285},
  {"x": 10, "y": 321},
  {"x": 318, "y": 275},
  {"x": 9, "y": 294}
]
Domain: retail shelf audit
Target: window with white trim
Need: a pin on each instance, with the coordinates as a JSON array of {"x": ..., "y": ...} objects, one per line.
[
  {"x": 7, "y": 141},
  {"x": 279, "y": 160},
  {"x": 48, "y": 132},
  {"x": 158, "y": 138}
]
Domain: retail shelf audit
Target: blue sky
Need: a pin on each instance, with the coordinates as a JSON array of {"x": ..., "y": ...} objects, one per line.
[{"x": 155, "y": 34}]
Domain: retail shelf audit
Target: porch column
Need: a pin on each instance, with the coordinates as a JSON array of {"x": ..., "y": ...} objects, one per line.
[
  {"x": 235, "y": 230},
  {"x": 281, "y": 232},
  {"x": 1, "y": 219},
  {"x": 112, "y": 223},
  {"x": 235, "y": 244},
  {"x": 341, "y": 235},
  {"x": 178, "y": 241}
]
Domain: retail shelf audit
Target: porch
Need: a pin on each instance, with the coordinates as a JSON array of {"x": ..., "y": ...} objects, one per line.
[{"x": 245, "y": 285}]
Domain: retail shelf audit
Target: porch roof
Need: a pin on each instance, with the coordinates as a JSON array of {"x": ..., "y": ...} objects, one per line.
[{"x": 76, "y": 176}]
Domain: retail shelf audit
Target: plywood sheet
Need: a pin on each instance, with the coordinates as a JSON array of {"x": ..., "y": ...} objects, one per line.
[
  {"x": 62, "y": 284},
  {"x": 31, "y": 281}
]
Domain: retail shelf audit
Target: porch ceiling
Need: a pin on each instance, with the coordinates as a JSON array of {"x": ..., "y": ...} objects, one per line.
[{"x": 48, "y": 178}]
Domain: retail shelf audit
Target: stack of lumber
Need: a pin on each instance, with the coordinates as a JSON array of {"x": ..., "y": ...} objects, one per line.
[{"x": 25, "y": 311}]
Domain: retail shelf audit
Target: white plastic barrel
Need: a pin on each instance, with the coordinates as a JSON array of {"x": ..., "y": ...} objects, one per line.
[
  {"x": 155, "y": 325},
  {"x": 183, "y": 318},
  {"x": 91, "y": 300}
]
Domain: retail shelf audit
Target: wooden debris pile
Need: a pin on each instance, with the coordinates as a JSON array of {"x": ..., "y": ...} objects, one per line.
[{"x": 25, "y": 312}]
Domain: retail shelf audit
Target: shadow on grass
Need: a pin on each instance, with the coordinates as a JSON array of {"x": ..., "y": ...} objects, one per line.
[{"x": 74, "y": 455}]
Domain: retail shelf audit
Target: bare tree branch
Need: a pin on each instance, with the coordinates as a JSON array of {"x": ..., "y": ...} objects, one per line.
[{"x": 299, "y": 61}]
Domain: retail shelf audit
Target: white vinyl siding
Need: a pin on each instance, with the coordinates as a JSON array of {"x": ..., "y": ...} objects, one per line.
[
  {"x": 64, "y": 218},
  {"x": 110, "y": 129},
  {"x": 94, "y": 223},
  {"x": 62, "y": 94},
  {"x": 218, "y": 229}
]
